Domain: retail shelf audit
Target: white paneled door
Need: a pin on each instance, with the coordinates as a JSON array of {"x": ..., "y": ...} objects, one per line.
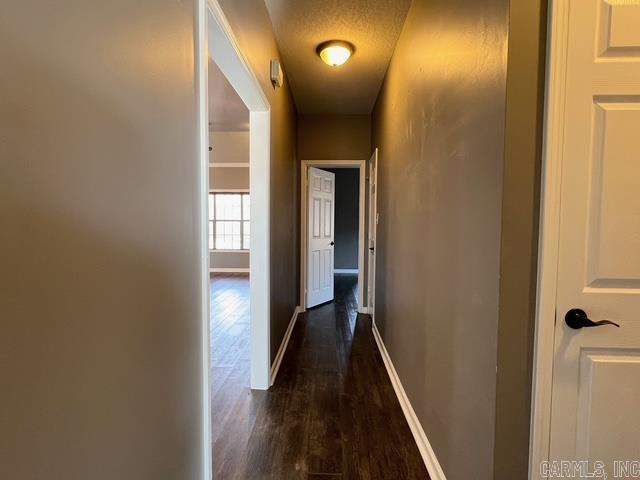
[
  {"x": 321, "y": 206},
  {"x": 595, "y": 414}
]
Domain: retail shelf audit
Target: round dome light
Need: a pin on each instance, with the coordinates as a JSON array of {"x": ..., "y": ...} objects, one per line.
[{"x": 335, "y": 52}]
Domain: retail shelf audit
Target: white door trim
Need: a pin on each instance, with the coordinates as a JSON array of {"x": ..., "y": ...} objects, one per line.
[
  {"x": 305, "y": 164},
  {"x": 556, "y": 89},
  {"x": 201, "y": 76},
  {"x": 372, "y": 236},
  {"x": 226, "y": 53}
]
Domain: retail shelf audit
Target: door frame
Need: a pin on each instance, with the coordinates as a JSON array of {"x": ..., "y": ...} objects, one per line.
[
  {"x": 215, "y": 38},
  {"x": 550, "y": 197},
  {"x": 225, "y": 51},
  {"x": 373, "y": 215},
  {"x": 304, "y": 174}
]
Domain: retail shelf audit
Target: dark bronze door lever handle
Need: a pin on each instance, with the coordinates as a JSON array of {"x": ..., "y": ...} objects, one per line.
[{"x": 577, "y": 319}]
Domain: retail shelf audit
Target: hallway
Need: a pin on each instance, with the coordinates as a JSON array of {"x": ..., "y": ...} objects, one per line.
[
  {"x": 157, "y": 154},
  {"x": 332, "y": 413}
]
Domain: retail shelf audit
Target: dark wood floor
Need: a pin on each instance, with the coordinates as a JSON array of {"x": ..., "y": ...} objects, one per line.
[{"x": 332, "y": 413}]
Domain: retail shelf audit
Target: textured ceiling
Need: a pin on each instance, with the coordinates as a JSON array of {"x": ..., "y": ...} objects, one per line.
[
  {"x": 373, "y": 26},
  {"x": 227, "y": 111}
]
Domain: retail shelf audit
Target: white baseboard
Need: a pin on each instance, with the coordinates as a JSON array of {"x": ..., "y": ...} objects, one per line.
[
  {"x": 283, "y": 345},
  {"x": 345, "y": 270},
  {"x": 428, "y": 455},
  {"x": 228, "y": 270}
]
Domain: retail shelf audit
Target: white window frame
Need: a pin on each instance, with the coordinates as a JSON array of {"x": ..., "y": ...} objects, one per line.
[{"x": 242, "y": 220}]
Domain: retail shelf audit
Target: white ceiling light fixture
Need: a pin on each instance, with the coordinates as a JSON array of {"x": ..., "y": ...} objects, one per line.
[{"x": 335, "y": 52}]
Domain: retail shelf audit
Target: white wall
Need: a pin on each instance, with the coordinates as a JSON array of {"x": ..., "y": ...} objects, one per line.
[
  {"x": 229, "y": 178},
  {"x": 100, "y": 303},
  {"x": 229, "y": 147}
]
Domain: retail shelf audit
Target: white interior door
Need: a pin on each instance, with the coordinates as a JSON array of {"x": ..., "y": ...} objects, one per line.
[
  {"x": 373, "y": 224},
  {"x": 320, "y": 234},
  {"x": 595, "y": 412}
]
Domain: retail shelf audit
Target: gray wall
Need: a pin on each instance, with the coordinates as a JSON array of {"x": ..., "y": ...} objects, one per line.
[
  {"x": 439, "y": 124},
  {"x": 100, "y": 351},
  {"x": 346, "y": 217},
  {"x": 334, "y": 137},
  {"x": 251, "y": 25}
]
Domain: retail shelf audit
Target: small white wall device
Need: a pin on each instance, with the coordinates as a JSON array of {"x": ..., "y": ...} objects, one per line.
[{"x": 276, "y": 74}]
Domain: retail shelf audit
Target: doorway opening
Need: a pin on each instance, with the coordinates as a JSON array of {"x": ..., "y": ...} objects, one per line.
[
  {"x": 236, "y": 191},
  {"x": 225, "y": 234},
  {"x": 227, "y": 57},
  {"x": 332, "y": 228},
  {"x": 229, "y": 244}
]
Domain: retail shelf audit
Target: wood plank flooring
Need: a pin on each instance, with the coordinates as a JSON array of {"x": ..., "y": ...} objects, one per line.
[{"x": 332, "y": 413}]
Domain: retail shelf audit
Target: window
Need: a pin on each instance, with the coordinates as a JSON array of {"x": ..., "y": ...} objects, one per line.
[{"x": 229, "y": 226}]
